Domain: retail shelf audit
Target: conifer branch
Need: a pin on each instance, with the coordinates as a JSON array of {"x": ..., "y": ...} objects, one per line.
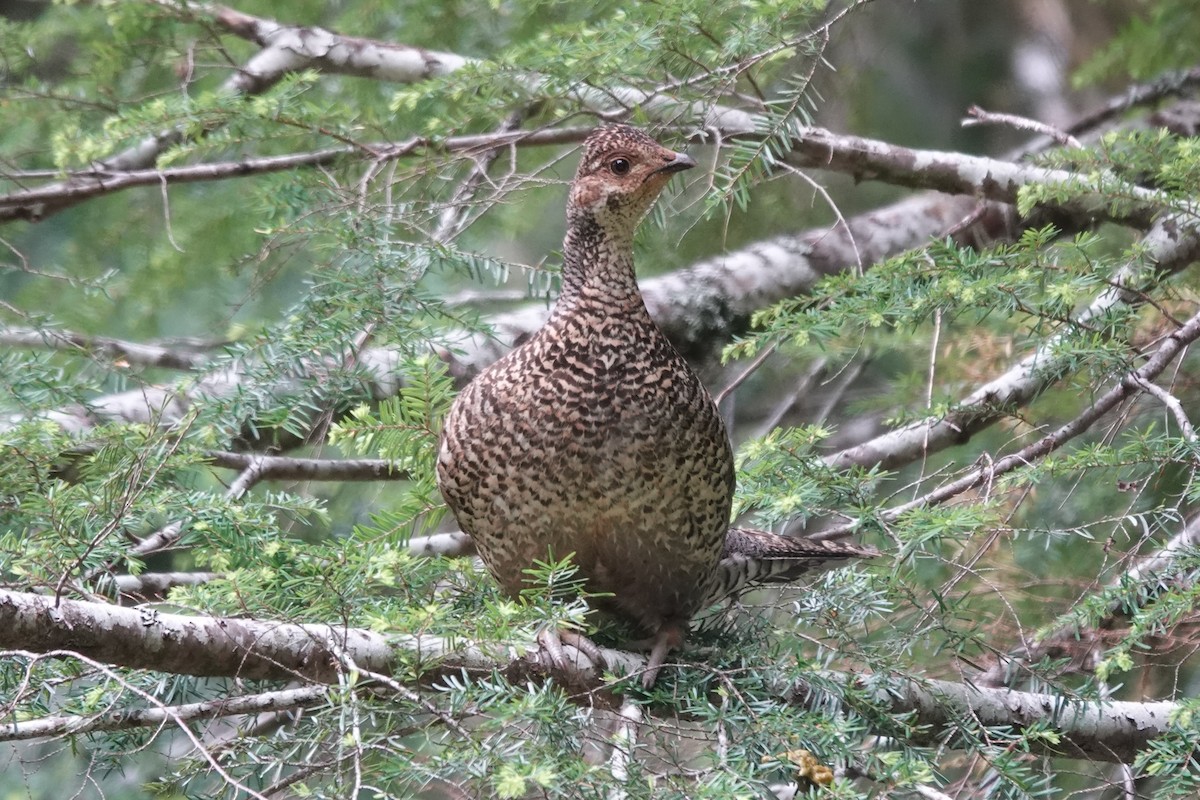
[
  {"x": 1169, "y": 248},
  {"x": 116, "y": 350},
  {"x": 1128, "y": 385},
  {"x": 697, "y": 306},
  {"x": 154, "y": 717},
  {"x": 291, "y": 48},
  {"x": 1082, "y": 644},
  {"x": 815, "y": 148},
  {"x": 34, "y": 626}
]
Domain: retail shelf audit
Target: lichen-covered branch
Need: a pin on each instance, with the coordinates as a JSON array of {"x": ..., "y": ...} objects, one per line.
[
  {"x": 1101, "y": 730},
  {"x": 125, "y": 719},
  {"x": 696, "y": 306},
  {"x": 1170, "y": 247},
  {"x": 213, "y": 646},
  {"x": 143, "y": 638},
  {"x": 117, "y": 350}
]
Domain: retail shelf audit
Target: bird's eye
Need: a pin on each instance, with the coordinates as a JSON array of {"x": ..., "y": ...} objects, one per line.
[{"x": 619, "y": 166}]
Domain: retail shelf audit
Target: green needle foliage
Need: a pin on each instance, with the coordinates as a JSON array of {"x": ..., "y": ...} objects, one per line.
[{"x": 235, "y": 371}]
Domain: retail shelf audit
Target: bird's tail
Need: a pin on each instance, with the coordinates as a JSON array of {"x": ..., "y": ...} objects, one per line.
[{"x": 756, "y": 558}]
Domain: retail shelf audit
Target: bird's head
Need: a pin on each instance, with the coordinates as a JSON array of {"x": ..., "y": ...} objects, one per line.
[{"x": 621, "y": 175}]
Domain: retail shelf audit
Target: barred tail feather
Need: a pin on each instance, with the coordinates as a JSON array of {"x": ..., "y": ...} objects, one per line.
[{"x": 756, "y": 558}]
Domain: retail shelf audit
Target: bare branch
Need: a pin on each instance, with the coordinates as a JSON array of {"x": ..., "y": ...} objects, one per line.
[
  {"x": 1068, "y": 638},
  {"x": 212, "y": 646},
  {"x": 978, "y": 116},
  {"x": 454, "y": 216},
  {"x": 866, "y": 159},
  {"x": 126, "y": 719},
  {"x": 1153, "y": 567},
  {"x": 1129, "y": 385},
  {"x": 154, "y": 585},
  {"x": 1169, "y": 248},
  {"x": 143, "y": 638},
  {"x": 1170, "y": 85},
  {"x": 284, "y": 468},
  {"x": 1174, "y": 406},
  {"x": 117, "y": 350},
  {"x": 956, "y": 173},
  {"x": 310, "y": 47},
  {"x": 37, "y": 203},
  {"x": 257, "y": 468},
  {"x": 1104, "y": 730},
  {"x": 291, "y": 48}
]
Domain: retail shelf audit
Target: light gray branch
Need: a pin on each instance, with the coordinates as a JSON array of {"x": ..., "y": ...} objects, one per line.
[
  {"x": 251, "y": 649},
  {"x": 126, "y": 719},
  {"x": 455, "y": 544},
  {"x": 1101, "y": 730},
  {"x": 1128, "y": 385},
  {"x": 1171, "y": 246},
  {"x": 143, "y": 638},
  {"x": 957, "y": 173},
  {"x": 36, "y": 203},
  {"x": 310, "y": 47},
  {"x": 257, "y": 468},
  {"x": 1151, "y": 568},
  {"x": 814, "y": 148},
  {"x": 696, "y": 306},
  {"x": 290, "y": 48},
  {"x": 135, "y": 353},
  {"x": 152, "y": 585}
]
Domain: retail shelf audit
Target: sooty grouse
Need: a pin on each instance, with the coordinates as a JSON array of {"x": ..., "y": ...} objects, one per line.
[{"x": 595, "y": 438}]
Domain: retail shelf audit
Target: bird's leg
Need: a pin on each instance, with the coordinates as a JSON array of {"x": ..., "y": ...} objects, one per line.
[
  {"x": 552, "y": 640},
  {"x": 668, "y": 638}
]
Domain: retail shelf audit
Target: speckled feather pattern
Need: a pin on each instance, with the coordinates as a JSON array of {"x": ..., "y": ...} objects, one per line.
[{"x": 595, "y": 437}]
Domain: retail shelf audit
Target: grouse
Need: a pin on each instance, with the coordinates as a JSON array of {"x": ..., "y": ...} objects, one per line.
[{"x": 594, "y": 439}]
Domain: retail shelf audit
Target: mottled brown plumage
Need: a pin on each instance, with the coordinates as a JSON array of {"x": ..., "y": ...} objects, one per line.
[{"x": 595, "y": 438}]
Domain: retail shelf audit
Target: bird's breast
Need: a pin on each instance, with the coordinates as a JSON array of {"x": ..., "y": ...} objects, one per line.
[{"x": 597, "y": 440}]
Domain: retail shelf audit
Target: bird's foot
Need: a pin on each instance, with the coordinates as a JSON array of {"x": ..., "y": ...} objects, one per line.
[
  {"x": 552, "y": 641},
  {"x": 668, "y": 638}
]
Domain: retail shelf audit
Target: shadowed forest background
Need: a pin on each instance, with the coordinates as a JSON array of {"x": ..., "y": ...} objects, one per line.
[{"x": 935, "y": 264}]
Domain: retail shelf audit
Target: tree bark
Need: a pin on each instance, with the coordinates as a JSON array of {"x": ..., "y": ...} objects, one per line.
[{"x": 242, "y": 648}]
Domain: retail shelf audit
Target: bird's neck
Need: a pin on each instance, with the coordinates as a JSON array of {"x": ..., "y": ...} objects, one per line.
[{"x": 598, "y": 269}]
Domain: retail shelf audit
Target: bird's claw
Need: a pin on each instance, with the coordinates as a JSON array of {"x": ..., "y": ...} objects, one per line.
[{"x": 552, "y": 641}]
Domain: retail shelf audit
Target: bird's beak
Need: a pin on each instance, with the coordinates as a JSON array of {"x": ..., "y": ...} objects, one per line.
[{"x": 678, "y": 163}]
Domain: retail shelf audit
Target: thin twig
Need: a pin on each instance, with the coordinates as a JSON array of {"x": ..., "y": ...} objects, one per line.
[
  {"x": 746, "y": 373},
  {"x": 1130, "y": 384},
  {"x": 978, "y": 116},
  {"x": 128, "y": 719},
  {"x": 168, "y": 713},
  {"x": 1173, "y": 405},
  {"x": 287, "y": 468}
]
